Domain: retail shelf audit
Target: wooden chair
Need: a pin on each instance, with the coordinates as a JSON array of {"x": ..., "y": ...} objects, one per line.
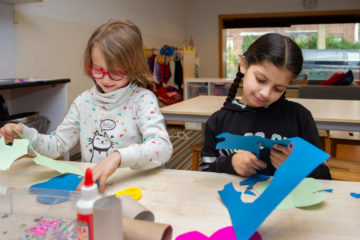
[{"x": 196, "y": 149}]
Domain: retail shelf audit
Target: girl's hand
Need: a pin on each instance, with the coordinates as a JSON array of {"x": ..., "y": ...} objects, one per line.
[
  {"x": 246, "y": 163},
  {"x": 279, "y": 154},
  {"x": 104, "y": 169},
  {"x": 8, "y": 134}
]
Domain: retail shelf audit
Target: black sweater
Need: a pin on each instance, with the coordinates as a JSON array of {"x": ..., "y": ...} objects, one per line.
[{"x": 282, "y": 119}]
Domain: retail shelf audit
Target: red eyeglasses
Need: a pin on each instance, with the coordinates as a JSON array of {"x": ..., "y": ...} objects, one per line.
[{"x": 98, "y": 73}]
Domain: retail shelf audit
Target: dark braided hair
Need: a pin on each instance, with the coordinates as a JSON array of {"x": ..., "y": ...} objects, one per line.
[
  {"x": 278, "y": 49},
  {"x": 234, "y": 87}
]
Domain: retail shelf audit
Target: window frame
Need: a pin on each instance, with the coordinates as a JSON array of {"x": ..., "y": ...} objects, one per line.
[{"x": 278, "y": 19}]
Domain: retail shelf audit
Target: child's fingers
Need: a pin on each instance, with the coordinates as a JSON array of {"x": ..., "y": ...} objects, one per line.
[
  {"x": 102, "y": 184},
  {"x": 283, "y": 149},
  {"x": 259, "y": 163},
  {"x": 79, "y": 186}
]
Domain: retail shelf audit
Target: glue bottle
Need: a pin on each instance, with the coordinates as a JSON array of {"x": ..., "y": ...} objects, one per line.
[{"x": 84, "y": 207}]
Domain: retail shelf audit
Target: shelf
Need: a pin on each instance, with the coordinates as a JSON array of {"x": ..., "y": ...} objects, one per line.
[
  {"x": 14, "y": 2},
  {"x": 11, "y": 83}
]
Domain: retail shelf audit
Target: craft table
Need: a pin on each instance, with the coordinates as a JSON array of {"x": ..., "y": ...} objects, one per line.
[
  {"x": 331, "y": 114},
  {"x": 189, "y": 201}
]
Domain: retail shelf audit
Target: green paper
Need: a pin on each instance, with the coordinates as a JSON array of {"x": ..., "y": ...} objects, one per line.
[
  {"x": 8, "y": 154},
  {"x": 60, "y": 166},
  {"x": 306, "y": 194}
]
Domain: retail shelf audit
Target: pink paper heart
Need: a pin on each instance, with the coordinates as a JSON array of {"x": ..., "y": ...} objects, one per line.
[{"x": 221, "y": 234}]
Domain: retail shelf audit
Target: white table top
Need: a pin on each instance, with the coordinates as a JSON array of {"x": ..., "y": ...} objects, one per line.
[
  {"x": 189, "y": 201},
  {"x": 328, "y": 114}
]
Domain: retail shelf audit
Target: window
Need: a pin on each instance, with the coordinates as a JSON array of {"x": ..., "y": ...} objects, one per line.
[{"x": 330, "y": 45}]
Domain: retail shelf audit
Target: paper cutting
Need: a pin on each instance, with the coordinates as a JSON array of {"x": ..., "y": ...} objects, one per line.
[
  {"x": 307, "y": 193},
  {"x": 247, "y": 217},
  {"x": 20, "y": 147},
  {"x": 223, "y": 233},
  {"x": 251, "y": 181},
  {"x": 46, "y": 193},
  {"x": 248, "y": 143},
  {"x": 355, "y": 195},
  {"x": 8, "y": 154}
]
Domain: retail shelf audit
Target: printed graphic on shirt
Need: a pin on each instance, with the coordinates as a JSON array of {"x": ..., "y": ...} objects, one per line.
[{"x": 101, "y": 143}]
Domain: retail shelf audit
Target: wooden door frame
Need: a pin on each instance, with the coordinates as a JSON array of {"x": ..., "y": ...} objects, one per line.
[{"x": 222, "y": 17}]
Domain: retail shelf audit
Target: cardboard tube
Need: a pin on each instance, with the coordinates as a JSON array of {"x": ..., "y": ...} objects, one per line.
[
  {"x": 108, "y": 221},
  {"x": 131, "y": 209},
  {"x": 144, "y": 230}
]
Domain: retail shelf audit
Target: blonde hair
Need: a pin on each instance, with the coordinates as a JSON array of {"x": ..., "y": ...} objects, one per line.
[{"x": 122, "y": 46}]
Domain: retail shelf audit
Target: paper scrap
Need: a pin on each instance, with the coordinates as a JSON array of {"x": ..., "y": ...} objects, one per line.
[
  {"x": 247, "y": 217},
  {"x": 247, "y": 191},
  {"x": 248, "y": 143},
  {"x": 307, "y": 193},
  {"x": 328, "y": 190},
  {"x": 251, "y": 181},
  {"x": 19, "y": 148},
  {"x": 8, "y": 154},
  {"x": 65, "y": 182},
  {"x": 60, "y": 166},
  {"x": 355, "y": 195},
  {"x": 223, "y": 233}
]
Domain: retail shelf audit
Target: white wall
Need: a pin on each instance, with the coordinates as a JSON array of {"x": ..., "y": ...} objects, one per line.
[
  {"x": 7, "y": 62},
  {"x": 50, "y": 37},
  {"x": 202, "y": 21}
]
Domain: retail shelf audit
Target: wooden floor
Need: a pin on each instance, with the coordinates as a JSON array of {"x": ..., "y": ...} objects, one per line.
[{"x": 346, "y": 165}]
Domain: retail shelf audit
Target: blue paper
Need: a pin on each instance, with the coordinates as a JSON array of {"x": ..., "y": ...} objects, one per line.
[
  {"x": 247, "y": 191},
  {"x": 66, "y": 182},
  {"x": 328, "y": 190},
  {"x": 355, "y": 195},
  {"x": 248, "y": 143},
  {"x": 251, "y": 181},
  {"x": 247, "y": 217}
]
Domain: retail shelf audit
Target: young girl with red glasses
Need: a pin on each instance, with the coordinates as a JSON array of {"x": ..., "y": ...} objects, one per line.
[{"x": 118, "y": 122}]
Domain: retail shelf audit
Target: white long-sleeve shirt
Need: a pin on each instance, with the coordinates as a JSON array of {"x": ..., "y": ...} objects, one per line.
[{"x": 127, "y": 120}]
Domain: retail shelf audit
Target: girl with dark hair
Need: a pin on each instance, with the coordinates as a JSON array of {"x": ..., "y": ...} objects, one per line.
[{"x": 266, "y": 70}]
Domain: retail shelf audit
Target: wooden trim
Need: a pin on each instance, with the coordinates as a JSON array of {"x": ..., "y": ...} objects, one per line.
[
  {"x": 223, "y": 17},
  {"x": 220, "y": 28}
]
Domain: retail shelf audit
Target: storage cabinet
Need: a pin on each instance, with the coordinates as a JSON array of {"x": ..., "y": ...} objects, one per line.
[{"x": 206, "y": 86}]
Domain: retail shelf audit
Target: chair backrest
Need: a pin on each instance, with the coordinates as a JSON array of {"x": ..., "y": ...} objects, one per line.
[{"x": 330, "y": 92}]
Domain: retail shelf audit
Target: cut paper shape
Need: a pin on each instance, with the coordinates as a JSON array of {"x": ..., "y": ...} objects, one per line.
[
  {"x": 247, "y": 191},
  {"x": 221, "y": 234},
  {"x": 355, "y": 195},
  {"x": 247, "y": 217},
  {"x": 21, "y": 146},
  {"x": 133, "y": 192},
  {"x": 60, "y": 166},
  {"x": 46, "y": 193},
  {"x": 8, "y": 154},
  {"x": 248, "y": 143},
  {"x": 328, "y": 190},
  {"x": 251, "y": 181},
  {"x": 307, "y": 193}
]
